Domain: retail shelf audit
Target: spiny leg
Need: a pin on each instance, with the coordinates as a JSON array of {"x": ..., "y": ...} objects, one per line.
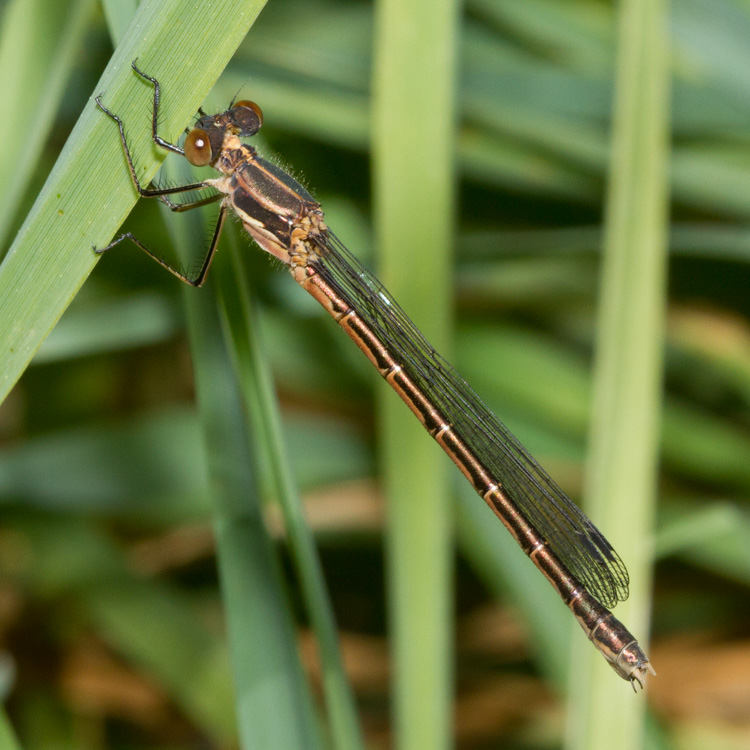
[
  {"x": 162, "y": 193},
  {"x": 145, "y": 192},
  {"x": 158, "y": 140},
  {"x": 190, "y": 205},
  {"x": 195, "y": 281}
]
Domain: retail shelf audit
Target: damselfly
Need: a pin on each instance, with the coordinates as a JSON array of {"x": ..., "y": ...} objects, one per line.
[{"x": 287, "y": 222}]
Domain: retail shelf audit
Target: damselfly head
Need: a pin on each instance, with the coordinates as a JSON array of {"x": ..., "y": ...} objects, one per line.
[
  {"x": 204, "y": 142},
  {"x": 243, "y": 118}
]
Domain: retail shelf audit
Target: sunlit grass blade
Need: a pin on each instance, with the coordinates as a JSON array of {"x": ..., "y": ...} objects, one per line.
[
  {"x": 39, "y": 42},
  {"x": 413, "y": 149},
  {"x": 621, "y": 473},
  {"x": 89, "y": 193}
]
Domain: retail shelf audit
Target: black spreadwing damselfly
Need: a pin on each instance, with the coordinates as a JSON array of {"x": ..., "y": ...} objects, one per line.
[{"x": 287, "y": 222}]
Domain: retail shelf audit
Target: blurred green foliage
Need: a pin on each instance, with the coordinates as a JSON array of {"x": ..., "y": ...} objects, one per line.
[{"x": 110, "y": 613}]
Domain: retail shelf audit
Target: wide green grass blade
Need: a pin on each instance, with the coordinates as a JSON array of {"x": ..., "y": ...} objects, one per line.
[
  {"x": 621, "y": 478},
  {"x": 413, "y": 145},
  {"x": 89, "y": 193},
  {"x": 39, "y": 42}
]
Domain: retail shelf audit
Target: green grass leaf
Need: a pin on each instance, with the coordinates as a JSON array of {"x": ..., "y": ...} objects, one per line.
[
  {"x": 39, "y": 42},
  {"x": 620, "y": 488},
  {"x": 89, "y": 193},
  {"x": 415, "y": 67}
]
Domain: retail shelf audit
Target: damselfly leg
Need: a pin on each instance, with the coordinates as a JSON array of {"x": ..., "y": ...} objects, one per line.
[{"x": 163, "y": 193}]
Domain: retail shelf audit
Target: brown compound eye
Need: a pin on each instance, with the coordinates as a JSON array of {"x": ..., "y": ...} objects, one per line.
[
  {"x": 198, "y": 148},
  {"x": 247, "y": 117},
  {"x": 253, "y": 106}
]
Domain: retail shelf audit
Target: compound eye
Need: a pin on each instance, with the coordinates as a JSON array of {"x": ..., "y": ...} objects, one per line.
[
  {"x": 247, "y": 118},
  {"x": 198, "y": 148},
  {"x": 253, "y": 106}
]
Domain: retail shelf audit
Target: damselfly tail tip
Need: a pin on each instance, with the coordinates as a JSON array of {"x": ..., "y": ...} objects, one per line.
[{"x": 638, "y": 676}]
